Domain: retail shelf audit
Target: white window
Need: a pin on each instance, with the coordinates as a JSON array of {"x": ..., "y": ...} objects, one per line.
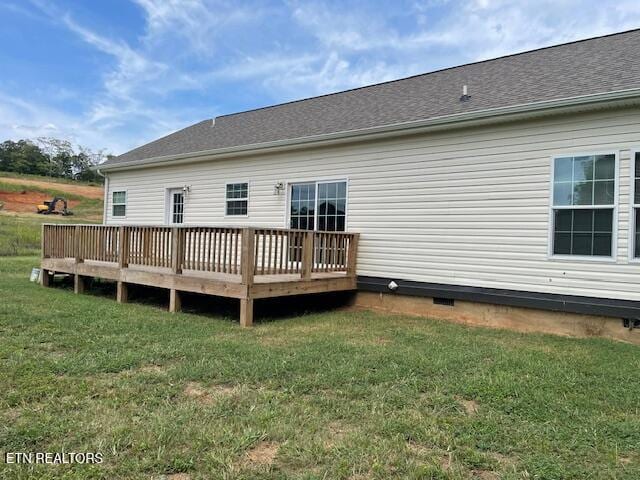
[
  {"x": 119, "y": 204},
  {"x": 318, "y": 206},
  {"x": 237, "y": 199},
  {"x": 635, "y": 199},
  {"x": 584, "y": 205}
]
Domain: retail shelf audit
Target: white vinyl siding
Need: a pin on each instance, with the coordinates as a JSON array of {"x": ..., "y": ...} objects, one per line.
[{"x": 464, "y": 207}]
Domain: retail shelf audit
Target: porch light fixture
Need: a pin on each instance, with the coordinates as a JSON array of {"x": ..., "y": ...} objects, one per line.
[{"x": 278, "y": 188}]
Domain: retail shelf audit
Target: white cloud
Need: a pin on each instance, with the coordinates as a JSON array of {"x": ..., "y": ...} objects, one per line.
[{"x": 216, "y": 49}]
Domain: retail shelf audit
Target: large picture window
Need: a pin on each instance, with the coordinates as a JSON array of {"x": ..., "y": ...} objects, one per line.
[
  {"x": 237, "y": 197},
  {"x": 584, "y": 190},
  {"x": 636, "y": 204},
  {"x": 119, "y": 204},
  {"x": 319, "y": 206}
]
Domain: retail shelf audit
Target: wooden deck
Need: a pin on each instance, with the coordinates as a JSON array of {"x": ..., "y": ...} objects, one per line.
[{"x": 242, "y": 263}]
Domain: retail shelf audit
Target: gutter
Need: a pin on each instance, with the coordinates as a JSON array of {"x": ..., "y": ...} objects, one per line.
[{"x": 417, "y": 126}]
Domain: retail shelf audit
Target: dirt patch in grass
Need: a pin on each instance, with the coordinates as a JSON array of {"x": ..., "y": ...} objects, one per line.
[
  {"x": 504, "y": 460},
  {"x": 153, "y": 369},
  {"x": 207, "y": 395},
  {"x": 364, "y": 341},
  {"x": 173, "y": 476},
  {"x": 470, "y": 406},
  {"x": 275, "y": 340},
  {"x": 418, "y": 449},
  {"x": 485, "y": 475},
  {"x": 446, "y": 461},
  {"x": 262, "y": 454},
  {"x": 335, "y": 433}
]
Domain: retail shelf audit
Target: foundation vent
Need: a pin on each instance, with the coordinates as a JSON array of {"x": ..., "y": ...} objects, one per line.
[{"x": 448, "y": 302}]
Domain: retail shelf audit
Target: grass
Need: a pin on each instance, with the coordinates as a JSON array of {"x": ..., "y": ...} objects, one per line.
[
  {"x": 47, "y": 179},
  {"x": 332, "y": 395},
  {"x": 20, "y": 233}
]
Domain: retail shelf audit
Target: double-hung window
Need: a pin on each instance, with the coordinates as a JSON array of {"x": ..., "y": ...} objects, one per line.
[
  {"x": 584, "y": 203},
  {"x": 237, "y": 199},
  {"x": 119, "y": 204},
  {"x": 636, "y": 205}
]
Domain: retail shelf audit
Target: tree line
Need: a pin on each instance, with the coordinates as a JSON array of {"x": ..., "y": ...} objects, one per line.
[{"x": 51, "y": 157}]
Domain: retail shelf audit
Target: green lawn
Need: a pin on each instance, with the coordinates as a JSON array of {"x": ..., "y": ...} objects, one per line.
[
  {"x": 44, "y": 178},
  {"x": 20, "y": 233},
  {"x": 326, "y": 395}
]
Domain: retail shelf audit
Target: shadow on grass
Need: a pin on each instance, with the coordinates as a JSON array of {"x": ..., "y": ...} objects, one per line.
[{"x": 265, "y": 310}]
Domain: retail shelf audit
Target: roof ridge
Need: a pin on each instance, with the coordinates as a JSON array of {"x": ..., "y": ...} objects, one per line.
[{"x": 363, "y": 87}]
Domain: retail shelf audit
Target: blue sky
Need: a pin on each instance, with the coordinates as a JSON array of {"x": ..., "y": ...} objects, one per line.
[{"x": 116, "y": 74}]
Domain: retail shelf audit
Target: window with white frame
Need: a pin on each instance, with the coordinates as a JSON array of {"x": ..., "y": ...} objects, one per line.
[
  {"x": 319, "y": 206},
  {"x": 636, "y": 205},
  {"x": 119, "y": 204},
  {"x": 237, "y": 198},
  {"x": 584, "y": 205}
]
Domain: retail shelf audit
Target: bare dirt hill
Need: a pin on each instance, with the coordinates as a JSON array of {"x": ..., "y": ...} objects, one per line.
[{"x": 83, "y": 190}]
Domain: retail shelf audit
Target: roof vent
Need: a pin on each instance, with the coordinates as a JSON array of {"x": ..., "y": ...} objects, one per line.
[
  {"x": 465, "y": 96},
  {"x": 213, "y": 122}
]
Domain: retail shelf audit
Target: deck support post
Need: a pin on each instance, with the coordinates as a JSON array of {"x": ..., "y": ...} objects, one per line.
[
  {"x": 175, "y": 302},
  {"x": 78, "y": 283},
  {"x": 122, "y": 292},
  {"x": 307, "y": 255},
  {"x": 246, "y": 312}
]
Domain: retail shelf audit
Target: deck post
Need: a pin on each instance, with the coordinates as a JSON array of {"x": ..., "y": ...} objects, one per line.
[
  {"x": 352, "y": 255},
  {"x": 122, "y": 292},
  {"x": 175, "y": 302},
  {"x": 78, "y": 284},
  {"x": 246, "y": 312},
  {"x": 43, "y": 242},
  {"x": 123, "y": 247},
  {"x": 177, "y": 250},
  {"x": 77, "y": 244},
  {"x": 247, "y": 258},
  {"x": 45, "y": 275},
  {"x": 307, "y": 255}
]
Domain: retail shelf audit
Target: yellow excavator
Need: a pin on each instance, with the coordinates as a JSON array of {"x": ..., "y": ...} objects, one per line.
[{"x": 49, "y": 207}]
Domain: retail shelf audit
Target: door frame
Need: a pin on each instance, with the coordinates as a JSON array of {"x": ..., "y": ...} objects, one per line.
[{"x": 168, "y": 204}]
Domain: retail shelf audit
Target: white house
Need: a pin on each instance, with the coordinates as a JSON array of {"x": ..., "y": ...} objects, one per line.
[{"x": 509, "y": 181}]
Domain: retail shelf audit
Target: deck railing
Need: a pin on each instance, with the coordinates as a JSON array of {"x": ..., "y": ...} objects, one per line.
[{"x": 238, "y": 251}]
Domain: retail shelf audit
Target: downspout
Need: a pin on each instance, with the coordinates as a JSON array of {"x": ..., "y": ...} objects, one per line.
[{"x": 105, "y": 196}]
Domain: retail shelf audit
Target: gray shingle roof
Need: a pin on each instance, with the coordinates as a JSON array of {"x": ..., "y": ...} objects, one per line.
[{"x": 597, "y": 65}]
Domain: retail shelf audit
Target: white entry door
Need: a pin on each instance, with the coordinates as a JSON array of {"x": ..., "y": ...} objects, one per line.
[{"x": 175, "y": 204}]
